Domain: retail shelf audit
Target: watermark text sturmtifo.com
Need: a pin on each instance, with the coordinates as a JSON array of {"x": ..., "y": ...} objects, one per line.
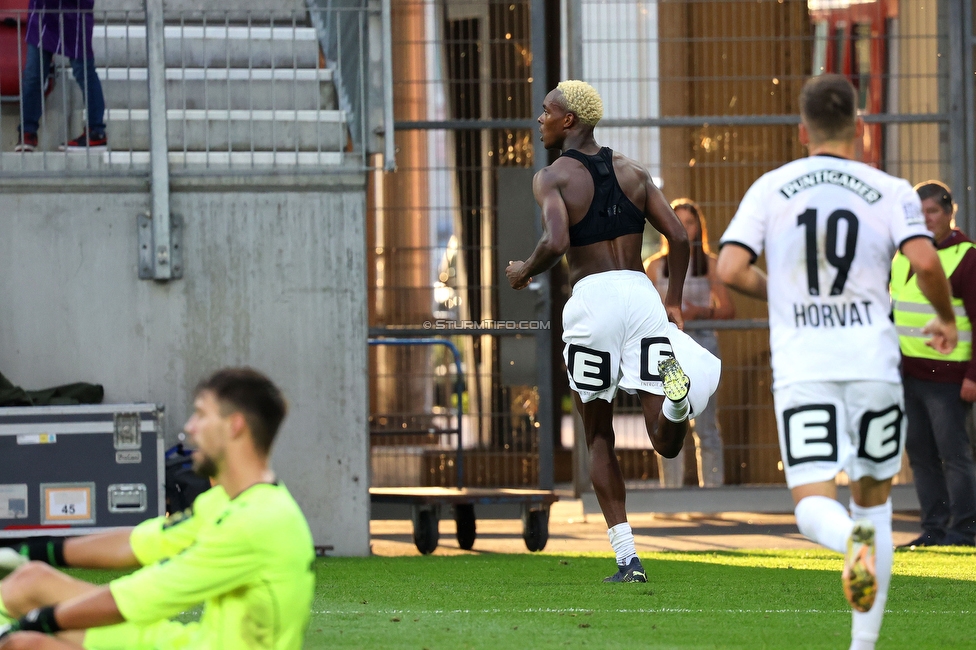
[{"x": 445, "y": 324}]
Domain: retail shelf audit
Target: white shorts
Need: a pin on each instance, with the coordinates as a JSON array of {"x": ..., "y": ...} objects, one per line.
[
  {"x": 616, "y": 331},
  {"x": 854, "y": 426}
]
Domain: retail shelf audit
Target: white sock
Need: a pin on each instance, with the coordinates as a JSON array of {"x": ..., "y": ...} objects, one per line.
[
  {"x": 867, "y": 625},
  {"x": 676, "y": 411},
  {"x": 622, "y": 540},
  {"x": 824, "y": 521}
]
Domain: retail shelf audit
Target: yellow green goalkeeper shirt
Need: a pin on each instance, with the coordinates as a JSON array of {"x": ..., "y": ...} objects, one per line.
[
  {"x": 163, "y": 537},
  {"x": 248, "y": 559}
]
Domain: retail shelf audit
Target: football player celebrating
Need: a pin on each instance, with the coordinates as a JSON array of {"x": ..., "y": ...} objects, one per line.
[
  {"x": 594, "y": 204},
  {"x": 245, "y": 552},
  {"x": 830, "y": 226}
]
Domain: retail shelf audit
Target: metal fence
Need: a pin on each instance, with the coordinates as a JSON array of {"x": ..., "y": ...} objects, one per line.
[
  {"x": 414, "y": 442},
  {"x": 722, "y": 87},
  {"x": 704, "y": 93},
  {"x": 239, "y": 92}
]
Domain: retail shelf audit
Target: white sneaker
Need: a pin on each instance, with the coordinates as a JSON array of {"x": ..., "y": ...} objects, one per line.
[
  {"x": 860, "y": 576},
  {"x": 10, "y": 560},
  {"x": 676, "y": 382}
]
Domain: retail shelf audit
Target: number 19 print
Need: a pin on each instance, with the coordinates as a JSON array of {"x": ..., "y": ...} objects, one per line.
[{"x": 842, "y": 262}]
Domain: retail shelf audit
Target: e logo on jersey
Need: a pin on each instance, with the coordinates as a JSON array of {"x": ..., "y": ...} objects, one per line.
[
  {"x": 811, "y": 433},
  {"x": 653, "y": 350},
  {"x": 589, "y": 369},
  {"x": 881, "y": 434}
]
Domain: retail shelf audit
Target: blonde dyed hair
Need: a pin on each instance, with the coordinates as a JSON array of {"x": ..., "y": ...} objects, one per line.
[{"x": 582, "y": 99}]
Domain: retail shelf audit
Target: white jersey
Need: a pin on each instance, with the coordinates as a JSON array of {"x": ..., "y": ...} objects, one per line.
[{"x": 830, "y": 228}]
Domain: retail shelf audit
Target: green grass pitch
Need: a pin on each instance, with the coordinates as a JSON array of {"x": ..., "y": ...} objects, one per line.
[{"x": 736, "y": 599}]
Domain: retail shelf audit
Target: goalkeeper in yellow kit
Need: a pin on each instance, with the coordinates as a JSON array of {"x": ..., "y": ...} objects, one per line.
[{"x": 245, "y": 552}]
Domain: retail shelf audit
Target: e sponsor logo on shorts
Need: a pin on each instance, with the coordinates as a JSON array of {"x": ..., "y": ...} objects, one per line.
[
  {"x": 881, "y": 434},
  {"x": 811, "y": 433},
  {"x": 654, "y": 349},
  {"x": 588, "y": 368}
]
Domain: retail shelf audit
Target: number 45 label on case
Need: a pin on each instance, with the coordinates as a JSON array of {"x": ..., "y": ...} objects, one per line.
[{"x": 72, "y": 503}]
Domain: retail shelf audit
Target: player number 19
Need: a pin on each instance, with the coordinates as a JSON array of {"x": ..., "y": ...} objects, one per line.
[{"x": 842, "y": 262}]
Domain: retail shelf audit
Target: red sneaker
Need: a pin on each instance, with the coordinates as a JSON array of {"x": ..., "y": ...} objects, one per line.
[
  {"x": 27, "y": 142},
  {"x": 86, "y": 141}
]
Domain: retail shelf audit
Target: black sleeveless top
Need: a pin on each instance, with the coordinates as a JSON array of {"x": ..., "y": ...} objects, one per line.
[{"x": 611, "y": 213}]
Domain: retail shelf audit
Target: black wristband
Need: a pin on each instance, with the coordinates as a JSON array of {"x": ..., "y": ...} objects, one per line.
[
  {"x": 40, "y": 620},
  {"x": 48, "y": 550}
]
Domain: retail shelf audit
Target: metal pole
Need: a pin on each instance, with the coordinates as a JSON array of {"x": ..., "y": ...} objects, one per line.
[
  {"x": 669, "y": 121},
  {"x": 967, "y": 193},
  {"x": 389, "y": 143},
  {"x": 158, "y": 145},
  {"x": 958, "y": 155},
  {"x": 574, "y": 38},
  {"x": 543, "y": 350}
]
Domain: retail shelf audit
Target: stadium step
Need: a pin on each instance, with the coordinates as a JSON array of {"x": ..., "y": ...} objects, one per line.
[
  {"x": 234, "y": 130},
  {"x": 100, "y": 159},
  {"x": 227, "y": 159},
  {"x": 199, "y": 46},
  {"x": 236, "y": 96},
  {"x": 222, "y": 88}
]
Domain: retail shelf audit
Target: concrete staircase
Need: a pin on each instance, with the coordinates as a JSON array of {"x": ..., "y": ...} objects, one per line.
[{"x": 235, "y": 95}]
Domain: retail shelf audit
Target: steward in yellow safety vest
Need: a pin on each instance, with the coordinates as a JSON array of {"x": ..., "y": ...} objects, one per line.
[
  {"x": 939, "y": 389},
  {"x": 912, "y": 311}
]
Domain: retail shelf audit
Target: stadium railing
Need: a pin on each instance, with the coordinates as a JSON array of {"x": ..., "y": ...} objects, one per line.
[{"x": 244, "y": 92}]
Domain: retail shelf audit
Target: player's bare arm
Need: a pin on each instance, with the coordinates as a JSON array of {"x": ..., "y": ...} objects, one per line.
[
  {"x": 935, "y": 287},
  {"x": 546, "y": 186},
  {"x": 659, "y": 214},
  {"x": 110, "y": 550},
  {"x": 36, "y": 641},
  {"x": 736, "y": 270},
  {"x": 96, "y": 608}
]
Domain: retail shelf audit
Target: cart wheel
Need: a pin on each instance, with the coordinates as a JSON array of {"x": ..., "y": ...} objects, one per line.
[
  {"x": 464, "y": 517},
  {"x": 425, "y": 533},
  {"x": 535, "y": 528}
]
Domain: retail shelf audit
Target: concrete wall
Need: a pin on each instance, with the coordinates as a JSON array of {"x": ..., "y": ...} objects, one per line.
[{"x": 274, "y": 278}]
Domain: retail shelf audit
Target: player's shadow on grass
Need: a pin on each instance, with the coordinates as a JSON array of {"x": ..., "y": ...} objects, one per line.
[{"x": 706, "y": 526}]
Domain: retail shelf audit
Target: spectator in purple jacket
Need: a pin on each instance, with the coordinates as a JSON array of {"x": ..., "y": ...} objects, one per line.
[{"x": 60, "y": 27}]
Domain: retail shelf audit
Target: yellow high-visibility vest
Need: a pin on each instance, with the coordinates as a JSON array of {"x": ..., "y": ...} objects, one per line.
[{"x": 912, "y": 311}]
